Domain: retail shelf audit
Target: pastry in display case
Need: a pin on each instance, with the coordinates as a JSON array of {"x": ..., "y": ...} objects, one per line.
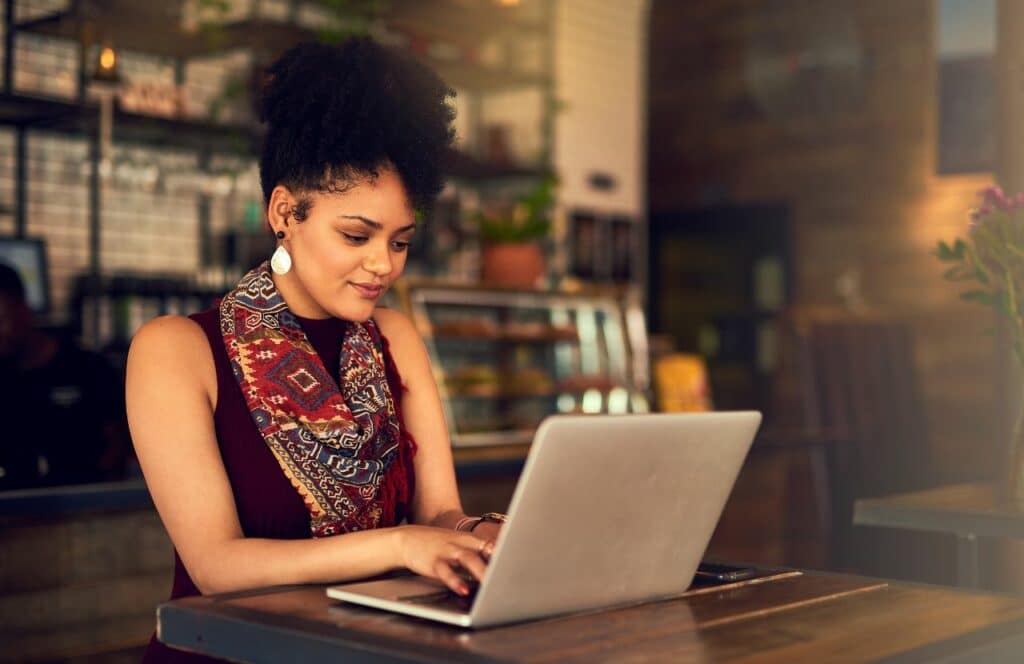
[{"x": 506, "y": 359}]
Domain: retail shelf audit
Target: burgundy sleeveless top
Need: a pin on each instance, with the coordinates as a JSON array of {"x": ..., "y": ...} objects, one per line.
[{"x": 268, "y": 505}]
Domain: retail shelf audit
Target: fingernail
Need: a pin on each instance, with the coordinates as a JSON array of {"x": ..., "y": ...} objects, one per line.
[{"x": 463, "y": 590}]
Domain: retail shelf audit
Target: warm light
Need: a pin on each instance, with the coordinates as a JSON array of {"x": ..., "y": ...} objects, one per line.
[
  {"x": 618, "y": 400},
  {"x": 509, "y": 3},
  {"x": 107, "y": 58},
  {"x": 592, "y": 401}
]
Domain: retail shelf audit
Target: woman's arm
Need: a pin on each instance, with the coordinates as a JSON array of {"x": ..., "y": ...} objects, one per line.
[
  {"x": 171, "y": 388},
  {"x": 436, "y": 500}
]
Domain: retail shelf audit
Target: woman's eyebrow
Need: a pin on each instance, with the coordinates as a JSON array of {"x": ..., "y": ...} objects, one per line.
[{"x": 375, "y": 225}]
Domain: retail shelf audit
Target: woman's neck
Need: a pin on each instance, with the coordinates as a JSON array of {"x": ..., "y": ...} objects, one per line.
[{"x": 299, "y": 301}]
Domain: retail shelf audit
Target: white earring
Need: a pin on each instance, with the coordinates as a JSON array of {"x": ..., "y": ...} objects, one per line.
[{"x": 281, "y": 261}]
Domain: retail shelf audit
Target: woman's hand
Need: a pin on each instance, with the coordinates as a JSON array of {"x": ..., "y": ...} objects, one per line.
[
  {"x": 487, "y": 530},
  {"x": 439, "y": 552}
]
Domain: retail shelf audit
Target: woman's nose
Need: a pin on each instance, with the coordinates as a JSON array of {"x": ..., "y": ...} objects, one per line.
[{"x": 378, "y": 262}]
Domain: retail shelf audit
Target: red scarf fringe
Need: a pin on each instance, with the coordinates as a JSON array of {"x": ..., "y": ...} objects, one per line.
[{"x": 399, "y": 482}]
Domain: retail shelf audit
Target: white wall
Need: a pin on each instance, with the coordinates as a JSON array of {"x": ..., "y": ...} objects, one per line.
[{"x": 601, "y": 78}]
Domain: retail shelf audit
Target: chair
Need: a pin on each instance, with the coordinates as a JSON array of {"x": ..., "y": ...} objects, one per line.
[{"x": 859, "y": 382}]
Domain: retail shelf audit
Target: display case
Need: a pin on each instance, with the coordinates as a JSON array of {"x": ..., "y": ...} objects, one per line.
[{"x": 506, "y": 359}]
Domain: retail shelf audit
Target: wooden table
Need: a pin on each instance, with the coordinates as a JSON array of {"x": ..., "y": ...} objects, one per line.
[
  {"x": 967, "y": 511},
  {"x": 794, "y": 617}
]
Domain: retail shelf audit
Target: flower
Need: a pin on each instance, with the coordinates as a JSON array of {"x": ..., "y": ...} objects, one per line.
[
  {"x": 993, "y": 201},
  {"x": 992, "y": 257}
]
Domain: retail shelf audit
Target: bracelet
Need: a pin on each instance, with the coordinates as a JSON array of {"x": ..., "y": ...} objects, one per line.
[
  {"x": 489, "y": 517},
  {"x": 465, "y": 521}
]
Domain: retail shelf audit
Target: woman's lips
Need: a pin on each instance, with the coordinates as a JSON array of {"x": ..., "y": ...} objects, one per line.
[{"x": 369, "y": 291}]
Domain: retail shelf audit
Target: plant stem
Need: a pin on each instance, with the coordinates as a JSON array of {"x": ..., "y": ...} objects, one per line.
[{"x": 1018, "y": 430}]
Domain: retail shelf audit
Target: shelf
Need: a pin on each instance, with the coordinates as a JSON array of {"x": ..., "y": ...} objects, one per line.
[
  {"x": 74, "y": 118},
  {"x": 495, "y": 438},
  {"x": 154, "y": 28},
  {"x": 63, "y": 116}
]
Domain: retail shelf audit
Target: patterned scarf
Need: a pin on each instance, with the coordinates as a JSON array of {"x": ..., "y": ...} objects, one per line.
[{"x": 343, "y": 450}]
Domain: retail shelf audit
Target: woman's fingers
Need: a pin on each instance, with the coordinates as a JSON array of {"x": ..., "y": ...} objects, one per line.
[
  {"x": 444, "y": 572},
  {"x": 470, "y": 560},
  {"x": 455, "y": 559}
]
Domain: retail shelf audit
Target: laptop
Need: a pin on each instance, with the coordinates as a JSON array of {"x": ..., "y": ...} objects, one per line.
[{"x": 609, "y": 510}]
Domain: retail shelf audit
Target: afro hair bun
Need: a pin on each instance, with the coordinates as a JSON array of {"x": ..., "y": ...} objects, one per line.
[{"x": 337, "y": 112}]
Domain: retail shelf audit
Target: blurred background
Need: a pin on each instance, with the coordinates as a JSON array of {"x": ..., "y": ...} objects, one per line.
[{"x": 652, "y": 205}]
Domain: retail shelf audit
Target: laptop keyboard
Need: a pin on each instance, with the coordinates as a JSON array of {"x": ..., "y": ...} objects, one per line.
[{"x": 443, "y": 599}]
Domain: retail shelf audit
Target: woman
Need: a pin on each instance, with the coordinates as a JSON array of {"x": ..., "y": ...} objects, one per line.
[{"x": 286, "y": 433}]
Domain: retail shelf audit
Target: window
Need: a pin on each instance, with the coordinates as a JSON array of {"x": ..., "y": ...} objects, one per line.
[{"x": 966, "y": 45}]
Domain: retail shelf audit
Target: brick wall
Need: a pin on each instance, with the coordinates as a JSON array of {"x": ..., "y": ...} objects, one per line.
[
  {"x": 78, "y": 585},
  {"x": 859, "y": 181}
]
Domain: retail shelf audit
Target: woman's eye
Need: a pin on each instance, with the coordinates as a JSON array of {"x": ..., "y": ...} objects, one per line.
[
  {"x": 355, "y": 239},
  {"x": 400, "y": 245}
]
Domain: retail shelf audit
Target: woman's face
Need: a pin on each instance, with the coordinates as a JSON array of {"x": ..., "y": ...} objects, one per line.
[{"x": 348, "y": 250}]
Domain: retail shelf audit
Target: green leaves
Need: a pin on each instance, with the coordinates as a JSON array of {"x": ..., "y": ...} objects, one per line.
[
  {"x": 981, "y": 297},
  {"x": 947, "y": 253},
  {"x": 1004, "y": 302},
  {"x": 527, "y": 220},
  {"x": 988, "y": 265},
  {"x": 959, "y": 273}
]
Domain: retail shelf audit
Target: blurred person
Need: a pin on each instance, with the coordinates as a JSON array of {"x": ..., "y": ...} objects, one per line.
[
  {"x": 286, "y": 434},
  {"x": 64, "y": 406}
]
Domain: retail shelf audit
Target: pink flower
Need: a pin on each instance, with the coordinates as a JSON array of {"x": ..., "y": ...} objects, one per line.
[
  {"x": 993, "y": 196},
  {"x": 993, "y": 201}
]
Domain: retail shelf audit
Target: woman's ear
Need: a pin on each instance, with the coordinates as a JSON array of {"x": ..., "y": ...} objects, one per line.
[{"x": 279, "y": 209}]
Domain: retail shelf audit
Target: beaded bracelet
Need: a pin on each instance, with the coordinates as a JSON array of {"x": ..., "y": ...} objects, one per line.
[{"x": 490, "y": 517}]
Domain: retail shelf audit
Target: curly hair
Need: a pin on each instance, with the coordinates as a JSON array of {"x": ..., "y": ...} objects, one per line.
[{"x": 337, "y": 114}]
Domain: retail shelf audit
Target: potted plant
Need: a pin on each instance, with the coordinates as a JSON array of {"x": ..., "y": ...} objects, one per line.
[{"x": 511, "y": 235}]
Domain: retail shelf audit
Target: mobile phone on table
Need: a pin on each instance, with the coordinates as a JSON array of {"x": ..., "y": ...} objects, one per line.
[{"x": 709, "y": 571}]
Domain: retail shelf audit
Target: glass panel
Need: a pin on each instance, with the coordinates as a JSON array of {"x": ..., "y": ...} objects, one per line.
[{"x": 505, "y": 360}]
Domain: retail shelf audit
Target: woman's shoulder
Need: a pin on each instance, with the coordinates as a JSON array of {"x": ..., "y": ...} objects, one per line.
[
  {"x": 403, "y": 344},
  {"x": 175, "y": 331},
  {"x": 171, "y": 343},
  {"x": 394, "y": 325}
]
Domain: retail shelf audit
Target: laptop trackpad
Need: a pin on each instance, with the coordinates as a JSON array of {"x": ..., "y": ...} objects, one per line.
[
  {"x": 398, "y": 589},
  {"x": 414, "y": 590}
]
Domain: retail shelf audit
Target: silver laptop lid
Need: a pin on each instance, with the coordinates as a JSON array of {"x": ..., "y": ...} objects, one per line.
[{"x": 612, "y": 509}]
